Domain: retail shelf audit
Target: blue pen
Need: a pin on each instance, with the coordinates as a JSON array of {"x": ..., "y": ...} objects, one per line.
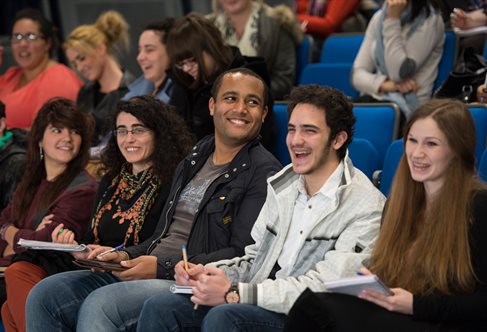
[
  {"x": 112, "y": 250},
  {"x": 360, "y": 273}
]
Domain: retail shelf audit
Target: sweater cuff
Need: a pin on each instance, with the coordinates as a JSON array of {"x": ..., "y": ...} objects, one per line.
[{"x": 248, "y": 293}]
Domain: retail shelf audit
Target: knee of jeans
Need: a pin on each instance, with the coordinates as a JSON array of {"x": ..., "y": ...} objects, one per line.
[{"x": 219, "y": 316}]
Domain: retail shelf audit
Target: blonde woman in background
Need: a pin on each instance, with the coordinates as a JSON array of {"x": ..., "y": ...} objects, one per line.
[{"x": 91, "y": 51}]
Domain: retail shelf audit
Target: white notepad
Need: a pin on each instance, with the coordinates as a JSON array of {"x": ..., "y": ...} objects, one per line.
[
  {"x": 177, "y": 289},
  {"x": 45, "y": 245},
  {"x": 354, "y": 285}
]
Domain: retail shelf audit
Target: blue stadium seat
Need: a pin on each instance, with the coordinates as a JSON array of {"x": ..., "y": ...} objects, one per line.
[
  {"x": 341, "y": 48},
  {"x": 378, "y": 123},
  {"x": 391, "y": 161},
  {"x": 483, "y": 167},
  {"x": 336, "y": 75},
  {"x": 447, "y": 59},
  {"x": 364, "y": 156},
  {"x": 303, "y": 55},
  {"x": 281, "y": 119},
  {"x": 479, "y": 114}
]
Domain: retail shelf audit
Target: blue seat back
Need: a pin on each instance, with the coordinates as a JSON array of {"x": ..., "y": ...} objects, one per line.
[
  {"x": 378, "y": 123},
  {"x": 341, "y": 48},
  {"x": 391, "y": 161},
  {"x": 479, "y": 115},
  {"x": 447, "y": 59},
  {"x": 281, "y": 120},
  {"x": 303, "y": 55},
  {"x": 483, "y": 167},
  {"x": 336, "y": 75},
  {"x": 364, "y": 156}
]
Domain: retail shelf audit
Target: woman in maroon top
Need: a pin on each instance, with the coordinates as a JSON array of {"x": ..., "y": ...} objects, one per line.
[{"x": 55, "y": 188}]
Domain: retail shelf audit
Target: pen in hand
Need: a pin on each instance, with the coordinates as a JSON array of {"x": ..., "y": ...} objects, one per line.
[
  {"x": 112, "y": 250},
  {"x": 185, "y": 259}
]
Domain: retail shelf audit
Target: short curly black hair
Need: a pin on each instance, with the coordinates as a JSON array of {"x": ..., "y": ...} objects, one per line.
[
  {"x": 172, "y": 139},
  {"x": 338, "y": 110}
]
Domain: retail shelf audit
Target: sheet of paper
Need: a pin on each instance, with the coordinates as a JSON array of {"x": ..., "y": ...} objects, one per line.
[
  {"x": 44, "y": 245},
  {"x": 177, "y": 289}
]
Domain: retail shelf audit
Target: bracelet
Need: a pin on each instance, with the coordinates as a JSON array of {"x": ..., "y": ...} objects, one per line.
[{"x": 3, "y": 230}]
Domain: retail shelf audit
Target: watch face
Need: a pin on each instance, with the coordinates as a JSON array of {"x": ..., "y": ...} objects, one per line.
[{"x": 233, "y": 297}]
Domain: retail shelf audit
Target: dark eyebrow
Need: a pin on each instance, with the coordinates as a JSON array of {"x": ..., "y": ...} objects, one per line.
[{"x": 133, "y": 126}]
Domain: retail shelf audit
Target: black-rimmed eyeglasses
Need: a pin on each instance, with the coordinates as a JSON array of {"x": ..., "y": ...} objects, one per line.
[{"x": 137, "y": 131}]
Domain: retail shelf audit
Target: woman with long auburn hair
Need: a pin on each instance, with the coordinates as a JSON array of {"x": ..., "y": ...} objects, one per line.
[{"x": 431, "y": 248}]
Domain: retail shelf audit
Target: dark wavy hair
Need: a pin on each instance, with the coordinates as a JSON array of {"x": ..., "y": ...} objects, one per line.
[
  {"x": 172, "y": 139},
  {"x": 337, "y": 109},
  {"x": 46, "y": 27},
  {"x": 61, "y": 113},
  {"x": 190, "y": 36}
]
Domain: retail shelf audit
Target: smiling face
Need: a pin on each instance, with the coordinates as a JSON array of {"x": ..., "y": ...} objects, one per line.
[
  {"x": 238, "y": 110},
  {"x": 136, "y": 149},
  {"x": 308, "y": 141},
  {"x": 428, "y": 154},
  {"x": 29, "y": 54},
  {"x": 152, "y": 57},
  {"x": 89, "y": 66},
  {"x": 60, "y": 145}
]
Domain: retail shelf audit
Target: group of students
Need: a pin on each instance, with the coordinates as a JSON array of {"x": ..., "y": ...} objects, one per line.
[
  {"x": 257, "y": 236},
  {"x": 261, "y": 239}
]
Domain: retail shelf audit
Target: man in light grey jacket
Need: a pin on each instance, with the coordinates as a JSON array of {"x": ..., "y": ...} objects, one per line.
[{"x": 319, "y": 220}]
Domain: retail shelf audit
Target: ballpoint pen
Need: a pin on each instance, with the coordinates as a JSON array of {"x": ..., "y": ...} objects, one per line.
[
  {"x": 185, "y": 259},
  {"x": 112, "y": 250}
]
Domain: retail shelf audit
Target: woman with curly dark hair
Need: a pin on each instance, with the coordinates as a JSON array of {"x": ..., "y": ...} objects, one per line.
[{"x": 149, "y": 139}]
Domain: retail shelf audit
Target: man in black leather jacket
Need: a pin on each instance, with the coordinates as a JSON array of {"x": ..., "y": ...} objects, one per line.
[{"x": 215, "y": 198}]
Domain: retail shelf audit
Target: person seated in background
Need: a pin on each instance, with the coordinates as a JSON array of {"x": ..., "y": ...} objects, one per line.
[
  {"x": 149, "y": 139},
  {"x": 198, "y": 54},
  {"x": 90, "y": 50},
  {"x": 154, "y": 63},
  {"x": 321, "y": 18},
  {"x": 13, "y": 148},
  {"x": 260, "y": 30},
  {"x": 389, "y": 65},
  {"x": 320, "y": 217},
  {"x": 431, "y": 247},
  {"x": 54, "y": 188},
  {"x": 36, "y": 78},
  {"x": 465, "y": 19},
  {"x": 215, "y": 197}
]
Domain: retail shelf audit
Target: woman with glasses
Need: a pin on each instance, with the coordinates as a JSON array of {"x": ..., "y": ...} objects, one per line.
[
  {"x": 198, "y": 55},
  {"x": 55, "y": 189},
  {"x": 36, "y": 78},
  {"x": 91, "y": 50},
  {"x": 149, "y": 139}
]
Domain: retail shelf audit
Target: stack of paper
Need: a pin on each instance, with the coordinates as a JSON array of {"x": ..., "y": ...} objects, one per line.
[
  {"x": 43, "y": 245},
  {"x": 354, "y": 285}
]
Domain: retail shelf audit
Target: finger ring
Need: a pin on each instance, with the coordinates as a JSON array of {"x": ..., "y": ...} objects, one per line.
[{"x": 59, "y": 232}]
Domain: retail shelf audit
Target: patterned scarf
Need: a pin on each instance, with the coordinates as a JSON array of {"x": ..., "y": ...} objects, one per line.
[{"x": 142, "y": 188}]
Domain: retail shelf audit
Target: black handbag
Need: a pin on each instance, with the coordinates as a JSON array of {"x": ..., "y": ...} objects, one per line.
[{"x": 463, "y": 81}]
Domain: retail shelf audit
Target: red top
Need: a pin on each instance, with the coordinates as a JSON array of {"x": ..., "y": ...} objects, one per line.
[
  {"x": 23, "y": 104},
  {"x": 335, "y": 13}
]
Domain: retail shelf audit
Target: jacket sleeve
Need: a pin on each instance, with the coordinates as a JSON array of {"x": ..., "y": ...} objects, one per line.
[
  {"x": 465, "y": 307},
  {"x": 283, "y": 72},
  {"x": 365, "y": 77},
  {"x": 14, "y": 168},
  {"x": 336, "y": 13},
  {"x": 73, "y": 209},
  {"x": 403, "y": 57}
]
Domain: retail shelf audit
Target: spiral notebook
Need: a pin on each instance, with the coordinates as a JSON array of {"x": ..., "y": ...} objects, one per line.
[{"x": 354, "y": 285}]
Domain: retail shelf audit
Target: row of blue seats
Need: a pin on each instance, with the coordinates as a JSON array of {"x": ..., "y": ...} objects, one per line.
[
  {"x": 375, "y": 145},
  {"x": 338, "y": 54}
]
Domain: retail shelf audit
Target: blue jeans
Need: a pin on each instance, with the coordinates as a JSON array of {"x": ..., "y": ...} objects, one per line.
[
  {"x": 88, "y": 301},
  {"x": 174, "y": 312}
]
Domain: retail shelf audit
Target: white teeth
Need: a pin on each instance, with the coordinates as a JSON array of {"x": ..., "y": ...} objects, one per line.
[
  {"x": 131, "y": 149},
  {"x": 237, "y": 121}
]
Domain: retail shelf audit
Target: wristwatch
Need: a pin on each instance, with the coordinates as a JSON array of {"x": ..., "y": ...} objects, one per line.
[{"x": 232, "y": 296}]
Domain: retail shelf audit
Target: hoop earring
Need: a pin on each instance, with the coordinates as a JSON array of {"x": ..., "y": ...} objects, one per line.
[{"x": 41, "y": 153}]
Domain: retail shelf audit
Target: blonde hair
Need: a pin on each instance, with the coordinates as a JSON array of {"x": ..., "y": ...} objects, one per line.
[
  {"x": 426, "y": 250},
  {"x": 110, "y": 29}
]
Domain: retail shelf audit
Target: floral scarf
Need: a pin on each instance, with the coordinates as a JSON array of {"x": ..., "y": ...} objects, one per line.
[{"x": 131, "y": 202}]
